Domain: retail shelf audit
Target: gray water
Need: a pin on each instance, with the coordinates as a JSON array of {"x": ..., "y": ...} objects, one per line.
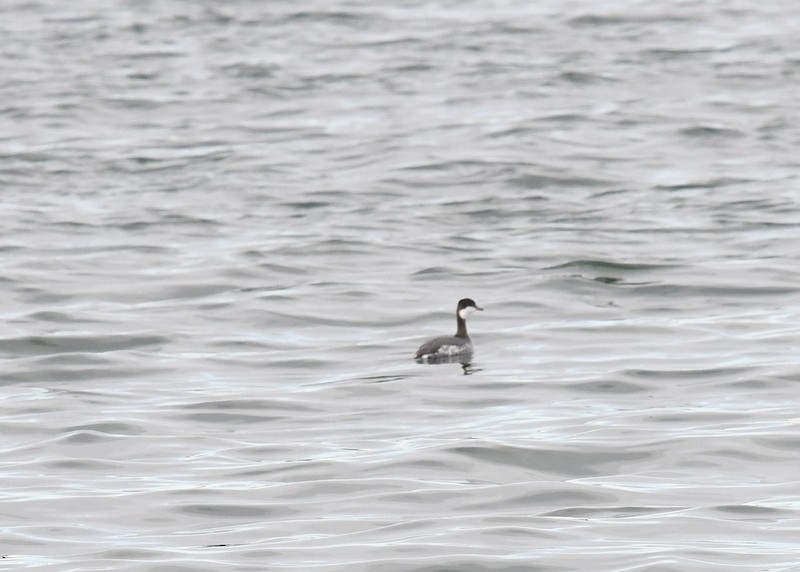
[{"x": 226, "y": 227}]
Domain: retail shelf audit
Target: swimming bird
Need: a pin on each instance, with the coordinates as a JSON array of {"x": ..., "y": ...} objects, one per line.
[{"x": 445, "y": 346}]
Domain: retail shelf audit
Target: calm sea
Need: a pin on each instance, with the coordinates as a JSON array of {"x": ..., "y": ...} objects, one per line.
[{"x": 226, "y": 226}]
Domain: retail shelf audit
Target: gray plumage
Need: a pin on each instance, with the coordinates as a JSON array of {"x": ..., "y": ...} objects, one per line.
[
  {"x": 445, "y": 346},
  {"x": 451, "y": 345}
]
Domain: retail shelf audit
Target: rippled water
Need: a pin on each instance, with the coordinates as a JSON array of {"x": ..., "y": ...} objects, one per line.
[{"x": 226, "y": 227}]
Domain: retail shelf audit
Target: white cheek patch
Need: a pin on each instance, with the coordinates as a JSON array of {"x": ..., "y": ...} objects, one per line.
[{"x": 464, "y": 312}]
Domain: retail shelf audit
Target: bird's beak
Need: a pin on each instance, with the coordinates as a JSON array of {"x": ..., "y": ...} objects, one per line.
[{"x": 481, "y": 309}]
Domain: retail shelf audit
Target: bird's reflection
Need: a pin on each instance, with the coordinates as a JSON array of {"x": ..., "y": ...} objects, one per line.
[{"x": 464, "y": 359}]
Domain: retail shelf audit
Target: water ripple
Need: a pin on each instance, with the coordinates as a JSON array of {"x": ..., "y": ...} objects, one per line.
[{"x": 226, "y": 229}]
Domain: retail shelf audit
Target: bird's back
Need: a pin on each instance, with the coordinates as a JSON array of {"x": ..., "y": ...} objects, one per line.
[{"x": 445, "y": 345}]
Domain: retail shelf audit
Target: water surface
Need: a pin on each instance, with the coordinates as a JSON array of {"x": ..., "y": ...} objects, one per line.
[{"x": 227, "y": 227}]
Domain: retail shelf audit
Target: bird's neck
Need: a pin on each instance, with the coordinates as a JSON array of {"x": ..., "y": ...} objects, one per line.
[{"x": 461, "y": 332}]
